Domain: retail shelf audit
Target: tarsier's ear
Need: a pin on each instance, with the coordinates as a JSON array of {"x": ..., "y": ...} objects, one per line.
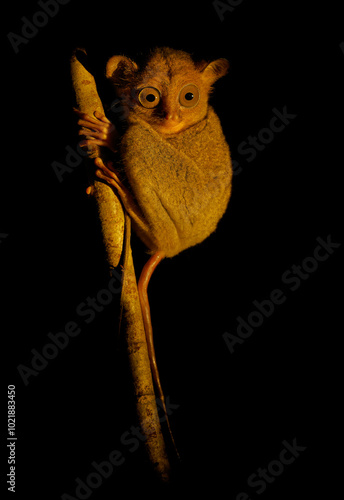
[
  {"x": 215, "y": 70},
  {"x": 120, "y": 63}
]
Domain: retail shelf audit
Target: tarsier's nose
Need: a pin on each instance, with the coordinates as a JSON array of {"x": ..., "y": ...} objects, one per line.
[
  {"x": 171, "y": 123},
  {"x": 171, "y": 117}
]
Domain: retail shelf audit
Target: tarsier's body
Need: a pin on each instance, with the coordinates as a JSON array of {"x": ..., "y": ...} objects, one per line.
[{"x": 177, "y": 168}]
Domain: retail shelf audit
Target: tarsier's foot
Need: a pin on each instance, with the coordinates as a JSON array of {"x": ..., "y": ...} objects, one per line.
[
  {"x": 101, "y": 131},
  {"x": 108, "y": 174}
]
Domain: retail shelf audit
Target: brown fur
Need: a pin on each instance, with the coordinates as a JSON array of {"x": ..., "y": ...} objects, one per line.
[
  {"x": 176, "y": 159},
  {"x": 183, "y": 194}
]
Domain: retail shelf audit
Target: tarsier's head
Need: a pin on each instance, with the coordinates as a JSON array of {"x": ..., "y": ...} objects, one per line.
[{"x": 170, "y": 92}]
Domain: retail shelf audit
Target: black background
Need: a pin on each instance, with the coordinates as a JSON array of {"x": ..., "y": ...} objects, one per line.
[{"x": 235, "y": 410}]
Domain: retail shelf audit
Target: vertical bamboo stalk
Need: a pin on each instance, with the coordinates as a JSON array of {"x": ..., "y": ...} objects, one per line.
[
  {"x": 146, "y": 406},
  {"x": 113, "y": 221}
]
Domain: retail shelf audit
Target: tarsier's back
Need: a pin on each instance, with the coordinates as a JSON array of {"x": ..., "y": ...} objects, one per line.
[{"x": 175, "y": 155}]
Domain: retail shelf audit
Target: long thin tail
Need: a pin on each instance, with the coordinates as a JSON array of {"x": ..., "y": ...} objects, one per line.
[{"x": 145, "y": 277}]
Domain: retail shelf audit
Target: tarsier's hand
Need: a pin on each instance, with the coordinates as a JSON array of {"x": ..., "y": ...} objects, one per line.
[{"x": 101, "y": 131}]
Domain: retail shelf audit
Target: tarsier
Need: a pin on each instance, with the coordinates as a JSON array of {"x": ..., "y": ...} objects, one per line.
[{"x": 174, "y": 175}]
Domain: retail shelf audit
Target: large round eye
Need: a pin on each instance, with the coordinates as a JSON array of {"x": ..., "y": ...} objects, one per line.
[
  {"x": 149, "y": 97},
  {"x": 189, "y": 96}
]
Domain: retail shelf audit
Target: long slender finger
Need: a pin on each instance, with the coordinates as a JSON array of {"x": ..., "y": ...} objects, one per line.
[
  {"x": 99, "y": 173},
  {"x": 93, "y": 133},
  {"x": 93, "y": 125},
  {"x": 88, "y": 121},
  {"x": 107, "y": 169},
  {"x": 85, "y": 116},
  {"x": 100, "y": 164},
  {"x": 101, "y": 117},
  {"x": 92, "y": 142}
]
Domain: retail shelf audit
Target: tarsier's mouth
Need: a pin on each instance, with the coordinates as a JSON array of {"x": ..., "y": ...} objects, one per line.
[{"x": 170, "y": 128}]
